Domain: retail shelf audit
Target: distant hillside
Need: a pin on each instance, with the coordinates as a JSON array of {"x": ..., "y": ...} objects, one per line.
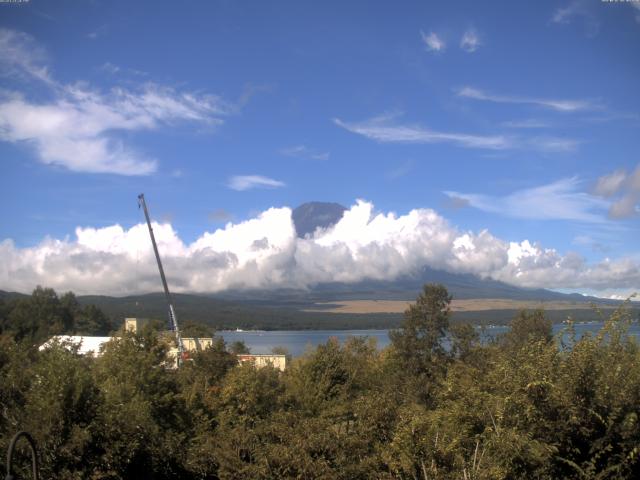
[
  {"x": 10, "y": 295},
  {"x": 460, "y": 285},
  {"x": 223, "y": 314},
  {"x": 283, "y": 310},
  {"x": 288, "y": 312},
  {"x": 407, "y": 287}
]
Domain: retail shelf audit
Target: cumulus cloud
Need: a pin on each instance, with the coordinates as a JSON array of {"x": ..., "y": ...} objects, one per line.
[
  {"x": 623, "y": 189},
  {"x": 77, "y": 127},
  {"x": 432, "y": 42},
  {"x": 559, "y": 105},
  {"x": 560, "y": 200},
  {"x": 470, "y": 41},
  {"x": 247, "y": 182},
  {"x": 265, "y": 252}
]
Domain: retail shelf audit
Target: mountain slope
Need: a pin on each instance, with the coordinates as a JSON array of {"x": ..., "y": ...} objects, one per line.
[{"x": 312, "y": 215}]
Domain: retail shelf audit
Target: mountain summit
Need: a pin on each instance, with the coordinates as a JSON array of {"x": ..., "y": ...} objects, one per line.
[{"x": 313, "y": 215}]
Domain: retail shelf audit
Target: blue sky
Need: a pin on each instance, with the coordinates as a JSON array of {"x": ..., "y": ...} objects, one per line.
[{"x": 519, "y": 118}]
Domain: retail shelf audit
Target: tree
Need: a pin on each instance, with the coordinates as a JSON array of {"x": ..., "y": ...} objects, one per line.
[
  {"x": 143, "y": 422},
  {"x": 43, "y": 314},
  {"x": 60, "y": 407},
  {"x": 528, "y": 327},
  {"x": 417, "y": 344},
  {"x": 39, "y": 316},
  {"x": 191, "y": 329},
  {"x": 238, "y": 348},
  {"x": 279, "y": 350},
  {"x": 69, "y": 302},
  {"x": 464, "y": 339},
  {"x": 90, "y": 320}
]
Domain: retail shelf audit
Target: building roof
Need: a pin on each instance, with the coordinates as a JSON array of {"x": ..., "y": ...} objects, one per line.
[{"x": 87, "y": 344}]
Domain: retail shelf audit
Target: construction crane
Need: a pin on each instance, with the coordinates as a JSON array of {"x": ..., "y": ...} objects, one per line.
[{"x": 173, "y": 320}]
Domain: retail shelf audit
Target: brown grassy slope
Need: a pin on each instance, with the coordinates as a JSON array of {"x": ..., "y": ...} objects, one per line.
[{"x": 469, "y": 305}]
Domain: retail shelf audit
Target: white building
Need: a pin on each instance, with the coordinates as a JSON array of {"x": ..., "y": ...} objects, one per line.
[{"x": 94, "y": 345}]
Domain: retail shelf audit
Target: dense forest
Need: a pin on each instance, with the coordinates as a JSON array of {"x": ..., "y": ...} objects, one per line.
[{"x": 527, "y": 405}]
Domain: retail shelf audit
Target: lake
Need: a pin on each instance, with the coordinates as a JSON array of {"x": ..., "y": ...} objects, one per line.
[{"x": 297, "y": 341}]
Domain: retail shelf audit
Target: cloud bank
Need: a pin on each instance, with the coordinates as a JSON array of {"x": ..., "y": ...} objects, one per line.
[{"x": 264, "y": 252}]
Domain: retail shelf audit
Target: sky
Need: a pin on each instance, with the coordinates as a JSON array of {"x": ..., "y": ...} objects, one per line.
[{"x": 493, "y": 138}]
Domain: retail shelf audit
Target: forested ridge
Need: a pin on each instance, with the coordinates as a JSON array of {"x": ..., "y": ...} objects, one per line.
[{"x": 524, "y": 406}]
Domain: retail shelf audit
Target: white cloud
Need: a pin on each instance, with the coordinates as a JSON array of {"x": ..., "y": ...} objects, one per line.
[
  {"x": 433, "y": 42},
  {"x": 247, "y": 182},
  {"x": 578, "y": 9},
  {"x": 401, "y": 170},
  {"x": 301, "y": 151},
  {"x": 566, "y": 13},
  {"x": 624, "y": 189},
  {"x": 98, "y": 32},
  {"x": 526, "y": 123},
  {"x": 21, "y": 56},
  {"x": 110, "y": 68},
  {"x": 553, "y": 104},
  {"x": 553, "y": 144},
  {"x": 470, "y": 41},
  {"x": 383, "y": 130},
  {"x": 561, "y": 200},
  {"x": 609, "y": 184},
  {"x": 265, "y": 252},
  {"x": 78, "y": 127}
]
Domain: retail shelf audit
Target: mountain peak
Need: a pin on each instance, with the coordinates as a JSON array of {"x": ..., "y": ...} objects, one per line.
[{"x": 313, "y": 215}]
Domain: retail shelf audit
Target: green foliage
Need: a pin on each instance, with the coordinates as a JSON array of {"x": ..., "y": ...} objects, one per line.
[
  {"x": 191, "y": 329},
  {"x": 238, "y": 347},
  {"x": 528, "y": 326},
  {"x": 524, "y": 407},
  {"x": 464, "y": 340},
  {"x": 36, "y": 318},
  {"x": 90, "y": 320},
  {"x": 417, "y": 344}
]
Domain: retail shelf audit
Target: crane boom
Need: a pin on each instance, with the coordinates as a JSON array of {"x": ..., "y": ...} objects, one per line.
[{"x": 173, "y": 319}]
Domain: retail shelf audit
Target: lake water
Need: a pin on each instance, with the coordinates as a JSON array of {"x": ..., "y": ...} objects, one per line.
[{"x": 297, "y": 341}]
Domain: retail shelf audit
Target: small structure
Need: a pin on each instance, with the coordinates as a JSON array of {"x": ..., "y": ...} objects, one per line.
[
  {"x": 93, "y": 346},
  {"x": 134, "y": 325},
  {"x": 259, "y": 361}
]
